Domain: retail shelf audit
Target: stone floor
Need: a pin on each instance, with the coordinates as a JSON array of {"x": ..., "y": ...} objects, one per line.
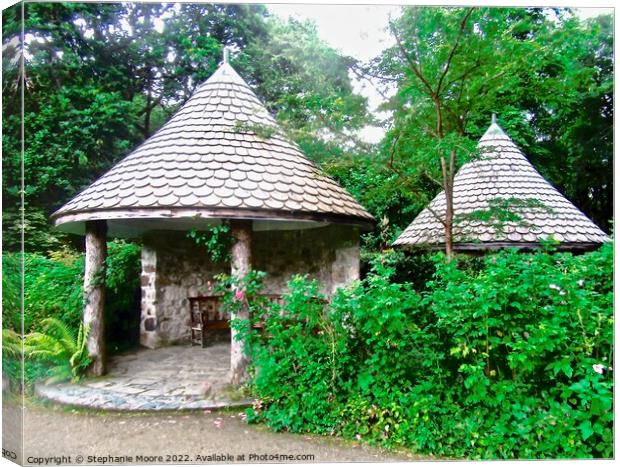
[{"x": 168, "y": 378}]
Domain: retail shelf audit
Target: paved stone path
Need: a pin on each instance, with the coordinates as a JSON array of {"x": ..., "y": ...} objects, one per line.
[{"x": 169, "y": 378}]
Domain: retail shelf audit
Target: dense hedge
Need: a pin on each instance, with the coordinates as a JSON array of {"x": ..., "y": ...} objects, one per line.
[{"x": 510, "y": 359}]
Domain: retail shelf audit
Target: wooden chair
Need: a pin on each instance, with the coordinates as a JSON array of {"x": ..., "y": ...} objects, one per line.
[{"x": 197, "y": 325}]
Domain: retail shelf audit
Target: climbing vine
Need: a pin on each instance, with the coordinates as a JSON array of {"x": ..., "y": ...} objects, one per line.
[{"x": 217, "y": 239}]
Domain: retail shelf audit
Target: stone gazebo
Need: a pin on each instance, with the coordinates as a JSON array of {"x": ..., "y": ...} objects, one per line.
[
  {"x": 220, "y": 157},
  {"x": 502, "y": 172}
]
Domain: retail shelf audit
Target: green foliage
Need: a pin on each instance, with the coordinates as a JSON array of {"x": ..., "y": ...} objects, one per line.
[
  {"x": 62, "y": 351},
  {"x": 380, "y": 190},
  {"x": 245, "y": 292},
  {"x": 507, "y": 356},
  {"x": 12, "y": 359},
  {"x": 304, "y": 355},
  {"x": 262, "y": 131},
  {"x": 217, "y": 240},
  {"x": 12, "y": 291},
  {"x": 500, "y": 213},
  {"x": 53, "y": 288}
]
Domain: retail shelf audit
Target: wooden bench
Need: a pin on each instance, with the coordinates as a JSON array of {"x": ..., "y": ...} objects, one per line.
[{"x": 207, "y": 315}]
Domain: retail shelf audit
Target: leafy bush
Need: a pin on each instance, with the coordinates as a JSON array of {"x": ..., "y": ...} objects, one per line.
[
  {"x": 508, "y": 357},
  {"x": 12, "y": 361},
  {"x": 305, "y": 352}
]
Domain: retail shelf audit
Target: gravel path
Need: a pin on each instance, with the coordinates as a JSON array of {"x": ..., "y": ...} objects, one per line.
[{"x": 178, "y": 438}]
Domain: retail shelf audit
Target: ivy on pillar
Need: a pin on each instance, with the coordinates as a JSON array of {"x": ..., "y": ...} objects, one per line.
[
  {"x": 241, "y": 264},
  {"x": 94, "y": 294}
]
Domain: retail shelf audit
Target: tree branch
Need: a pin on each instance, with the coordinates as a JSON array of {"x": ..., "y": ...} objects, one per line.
[
  {"x": 454, "y": 47},
  {"x": 411, "y": 62}
]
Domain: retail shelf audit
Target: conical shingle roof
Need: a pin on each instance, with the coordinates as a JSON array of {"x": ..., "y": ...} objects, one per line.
[
  {"x": 221, "y": 155},
  {"x": 502, "y": 179}
]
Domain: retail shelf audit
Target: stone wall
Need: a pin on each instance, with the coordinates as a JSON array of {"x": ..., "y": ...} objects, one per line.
[
  {"x": 329, "y": 254},
  {"x": 174, "y": 268}
]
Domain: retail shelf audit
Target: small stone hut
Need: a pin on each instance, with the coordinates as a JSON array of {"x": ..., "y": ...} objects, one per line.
[
  {"x": 502, "y": 178},
  {"x": 221, "y": 157}
]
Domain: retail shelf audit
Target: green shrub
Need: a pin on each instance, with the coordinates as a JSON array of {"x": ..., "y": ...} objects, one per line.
[
  {"x": 306, "y": 354},
  {"x": 12, "y": 359},
  {"x": 509, "y": 357}
]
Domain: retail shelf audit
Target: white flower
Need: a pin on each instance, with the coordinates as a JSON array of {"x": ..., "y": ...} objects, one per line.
[
  {"x": 580, "y": 282},
  {"x": 358, "y": 436},
  {"x": 599, "y": 368},
  {"x": 558, "y": 288}
]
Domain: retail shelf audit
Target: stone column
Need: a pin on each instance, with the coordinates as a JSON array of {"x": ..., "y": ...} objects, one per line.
[
  {"x": 94, "y": 294},
  {"x": 241, "y": 263},
  {"x": 149, "y": 308}
]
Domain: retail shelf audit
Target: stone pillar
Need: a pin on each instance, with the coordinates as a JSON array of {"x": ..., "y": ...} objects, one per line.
[
  {"x": 94, "y": 294},
  {"x": 241, "y": 263},
  {"x": 149, "y": 319}
]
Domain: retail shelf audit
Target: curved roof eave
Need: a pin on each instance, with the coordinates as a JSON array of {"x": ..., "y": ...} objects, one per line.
[
  {"x": 493, "y": 246},
  {"x": 161, "y": 218}
]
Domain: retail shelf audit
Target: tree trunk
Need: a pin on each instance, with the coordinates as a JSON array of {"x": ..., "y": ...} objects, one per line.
[
  {"x": 241, "y": 264},
  {"x": 94, "y": 294}
]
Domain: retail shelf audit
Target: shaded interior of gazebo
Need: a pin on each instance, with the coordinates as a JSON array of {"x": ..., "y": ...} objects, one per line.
[{"x": 175, "y": 269}]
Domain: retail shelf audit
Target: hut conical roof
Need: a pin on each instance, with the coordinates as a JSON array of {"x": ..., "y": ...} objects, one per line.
[
  {"x": 502, "y": 172},
  {"x": 221, "y": 155}
]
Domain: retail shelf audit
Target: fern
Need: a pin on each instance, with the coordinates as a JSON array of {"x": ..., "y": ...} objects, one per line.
[
  {"x": 61, "y": 348},
  {"x": 11, "y": 344}
]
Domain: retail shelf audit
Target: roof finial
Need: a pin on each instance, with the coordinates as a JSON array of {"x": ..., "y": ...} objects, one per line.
[
  {"x": 493, "y": 119},
  {"x": 226, "y": 54}
]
